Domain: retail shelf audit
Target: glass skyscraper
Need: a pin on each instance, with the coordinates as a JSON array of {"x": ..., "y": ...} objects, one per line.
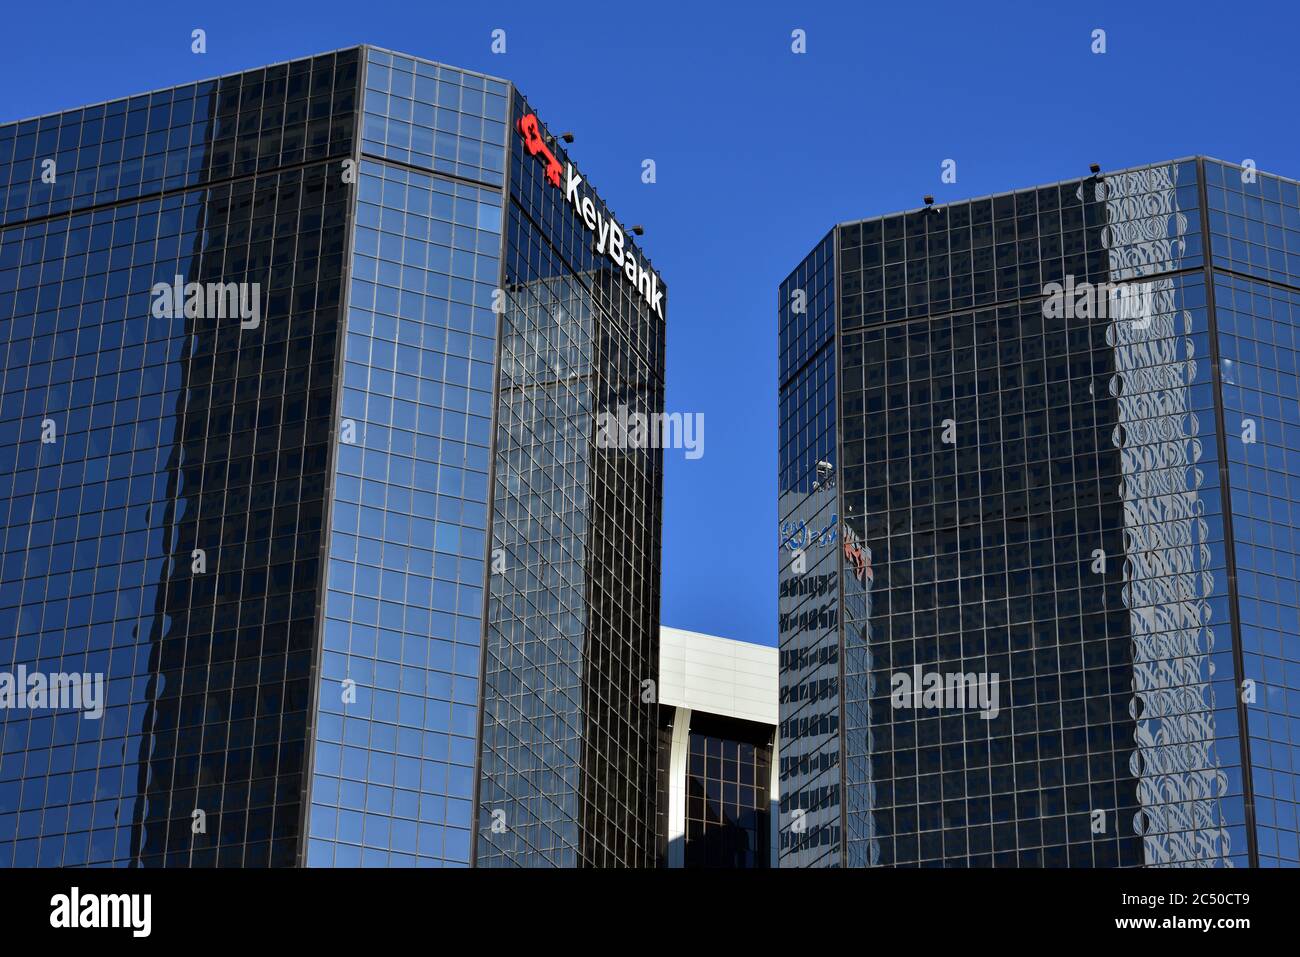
[
  {"x": 1040, "y": 529},
  {"x": 300, "y": 373}
]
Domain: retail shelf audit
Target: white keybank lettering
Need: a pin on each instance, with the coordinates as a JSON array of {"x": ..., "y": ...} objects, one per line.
[{"x": 610, "y": 240}]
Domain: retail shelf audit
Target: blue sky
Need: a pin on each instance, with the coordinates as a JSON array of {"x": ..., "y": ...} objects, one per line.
[{"x": 758, "y": 151}]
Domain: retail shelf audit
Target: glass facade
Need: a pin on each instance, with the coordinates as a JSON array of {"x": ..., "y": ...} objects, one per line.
[
  {"x": 394, "y": 768},
  {"x": 728, "y": 770},
  {"x": 267, "y": 526},
  {"x": 171, "y": 442},
  {"x": 569, "y": 736},
  {"x": 810, "y": 826},
  {"x": 1046, "y": 476},
  {"x": 1254, "y": 230}
]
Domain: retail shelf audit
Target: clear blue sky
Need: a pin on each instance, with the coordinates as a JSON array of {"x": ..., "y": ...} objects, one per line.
[{"x": 758, "y": 152}]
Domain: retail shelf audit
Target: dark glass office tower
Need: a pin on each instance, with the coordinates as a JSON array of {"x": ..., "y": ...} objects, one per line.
[
  {"x": 300, "y": 372},
  {"x": 569, "y": 743},
  {"x": 1058, "y": 430}
]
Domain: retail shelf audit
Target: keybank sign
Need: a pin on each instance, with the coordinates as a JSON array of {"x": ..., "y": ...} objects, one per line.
[{"x": 610, "y": 239}]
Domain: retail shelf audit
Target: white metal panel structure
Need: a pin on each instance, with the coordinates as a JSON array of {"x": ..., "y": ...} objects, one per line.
[
  {"x": 706, "y": 675},
  {"x": 735, "y": 679}
]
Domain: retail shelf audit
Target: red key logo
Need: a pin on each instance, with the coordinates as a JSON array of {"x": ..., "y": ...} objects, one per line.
[{"x": 533, "y": 142}]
